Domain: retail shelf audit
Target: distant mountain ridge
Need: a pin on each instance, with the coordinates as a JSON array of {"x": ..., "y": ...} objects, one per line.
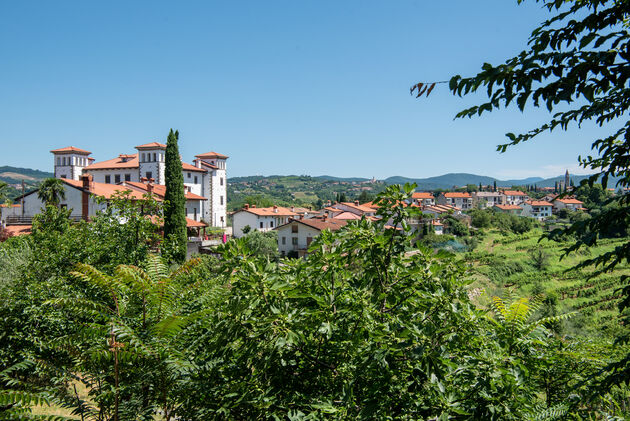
[{"x": 13, "y": 175}]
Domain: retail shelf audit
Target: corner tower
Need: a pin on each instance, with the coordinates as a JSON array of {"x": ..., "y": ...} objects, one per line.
[
  {"x": 70, "y": 161},
  {"x": 151, "y": 159},
  {"x": 214, "y": 187}
]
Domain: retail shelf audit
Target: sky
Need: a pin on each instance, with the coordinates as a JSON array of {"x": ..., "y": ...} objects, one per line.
[{"x": 282, "y": 87}]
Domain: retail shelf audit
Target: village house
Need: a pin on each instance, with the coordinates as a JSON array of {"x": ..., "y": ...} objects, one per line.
[
  {"x": 260, "y": 219},
  {"x": 485, "y": 199},
  {"x": 355, "y": 208},
  {"x": 568, "y": 203},
  {"x": 423, "y": 198},
  {"x": 297, "y": 234},
  {"x": 538, "y": 209},
  {"x": 461, "y": 200},
  {"x": 514, "y": 197},
  {"x": 206, "y": 178}
]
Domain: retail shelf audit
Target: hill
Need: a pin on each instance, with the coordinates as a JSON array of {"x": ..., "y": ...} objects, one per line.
[{"x": 14, "y": 176}]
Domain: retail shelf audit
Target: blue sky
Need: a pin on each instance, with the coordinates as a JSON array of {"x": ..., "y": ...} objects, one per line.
[{"x": 282, "y": 87}]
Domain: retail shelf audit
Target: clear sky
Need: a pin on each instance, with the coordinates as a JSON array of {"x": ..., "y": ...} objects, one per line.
[{"x": 282, "y": 87}]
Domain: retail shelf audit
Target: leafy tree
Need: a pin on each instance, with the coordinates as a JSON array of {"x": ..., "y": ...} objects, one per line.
[
  {"x": 580, "y": 55},
  {"x": 539, "y": 258},
  {"x": 3, "y": 191},
  {"x": 246, "y": 229},
  {"x": 51, "y": 191},
  {"x": 262, "y": 243},
  {"x": 175, "y": 233},
  {"x": 364, "y": 197}
]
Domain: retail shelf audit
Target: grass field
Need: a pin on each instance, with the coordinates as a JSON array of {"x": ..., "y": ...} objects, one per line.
[{"x": 503, "y": 263}]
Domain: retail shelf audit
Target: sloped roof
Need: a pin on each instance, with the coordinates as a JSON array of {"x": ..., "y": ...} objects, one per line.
[
  {"x": 188, "y": 167},
  {"x": 19, "y": 229},
  {"x": 569, "y": 201},
  {"x": 278, "y": 211},
  {"x": 152, "y": 145},
  {"x": 513, "y": 193},
  {"x": 538, "y": 203},
  {"x": 212, "y": 155},
  {"x": 347, "y": 215},
  {"x": 422, "y": 195},
  {"x": 105, "y": 190},
  {"x": 362, "y": 208},
  {"x": 70, "y": 149},
  {"x": 456, "y": 194},
  {"x": 160, "y": 190},
  {"x": 320, "y": 224},
  {"x": 119, "y": 162}
]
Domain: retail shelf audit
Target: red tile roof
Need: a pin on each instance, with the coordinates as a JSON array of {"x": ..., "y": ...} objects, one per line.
[
  {"x": 212, "y": 155},
  {"x": 538, "y": 203},
  {"x": 362, "y": 208},
  {"x": 205, "y": 164},
  {"x": 278, "y": 211},
  {"x": 4, "y": 205},
  {"x": 570, "y": 201},
  {"x": 320, "y": 224},
  {"x": 463, "y": 195},
  {"x": 152, "y": 145},
  {"x": 346, "y": 215},
  {"x": 105, "y": 190},
  {"x": 422, "y": 195},
  {"x": 513, "y": 193},
  {"x": 187, "y": 167},
  {"x": 160, "y": 190},
  {"x": 70, "y": 149},
  {"x": 191, "y": 223},
  {"x": 120, "y": 162}
]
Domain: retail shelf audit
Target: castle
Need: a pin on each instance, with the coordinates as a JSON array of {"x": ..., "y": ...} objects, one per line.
[{"x": 205, "y": 178}]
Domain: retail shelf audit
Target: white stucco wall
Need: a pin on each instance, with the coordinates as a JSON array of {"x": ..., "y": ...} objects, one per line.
[
  {"x": 99, "y": 175},
  {"x": 286, "y": 236}
]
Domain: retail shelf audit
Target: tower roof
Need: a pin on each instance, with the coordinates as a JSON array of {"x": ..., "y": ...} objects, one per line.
[
  {"x": 212, "y": 155},
  {"x": 71, "y": 149},
  {"x": 152, "y": 145}
]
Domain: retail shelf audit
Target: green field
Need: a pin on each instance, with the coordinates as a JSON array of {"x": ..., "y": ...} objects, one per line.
[{"x": 503, "y": 263}]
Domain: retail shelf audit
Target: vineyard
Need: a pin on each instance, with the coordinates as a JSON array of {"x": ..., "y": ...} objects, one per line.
[{"x": 529, "y": 266}]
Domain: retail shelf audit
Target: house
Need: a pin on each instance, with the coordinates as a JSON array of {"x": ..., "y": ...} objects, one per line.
[
  {"x": 423, "y": 198},
  {"x": 513, "y": 209},
  {"x": 439, "y": 211},
  {"x": 538, "y": 209},
  {"x": 261, "y": 219},
  {"x": 438, "y": 227},
  {"x": 297, "y": 234},
  {"x": 514, "y": 197},
  {"x": 206, "y": 178},
  {"x": 568, "y": 203},
  {"x": 461, "y": 200},
  {"x": 486, "y": 199}
]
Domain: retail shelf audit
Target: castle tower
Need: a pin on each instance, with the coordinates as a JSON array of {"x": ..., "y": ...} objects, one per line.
[
  {"x": 151, "y": 157},
  {"x": 70, "y": 161},
  {"x": 214, "y": 187}
]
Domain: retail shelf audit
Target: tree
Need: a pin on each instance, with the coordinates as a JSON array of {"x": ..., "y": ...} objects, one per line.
[
  {"x": 51, "y": 191},
  {"x": 580, "y": 55},
  {"x": 364, "y": 197},
  {"x": 3, "y": 187},
  {"x": 175, "y": 233},
  {"x": 494, "y": 186}
]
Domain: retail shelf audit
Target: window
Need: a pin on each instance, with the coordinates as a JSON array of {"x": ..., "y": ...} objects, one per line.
[
  {"x": 284, "y": 241},
  {"x": 222, "y": 220},
  {"x": 58, "y": 161},
  {"x": 195, "y": 214},
  {"x": 127, "y": 177},
  {"x": 271, "y": 224},
  {"x": 149, "y": 174},
  {"x": 117, "y": 178},
  {"x": 221, "y": 200},
  {"x": 189, "y": 175},
  {"x": 294, "y": 241},
  {"x": 261, "y": 224},
  {"x": 154, "y": 157},
  {"x": 63, "y": 176},
  {"x": 196, "y": 180},
  {"x": 294, "y": 228},
  {"x": 108, "y": 179},
  {"x": 221, "y": 180},
  {"x": 142, "y": 157}
]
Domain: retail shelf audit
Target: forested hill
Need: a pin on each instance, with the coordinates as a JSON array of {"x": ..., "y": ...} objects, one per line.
[{"x": 14, "y": 176}]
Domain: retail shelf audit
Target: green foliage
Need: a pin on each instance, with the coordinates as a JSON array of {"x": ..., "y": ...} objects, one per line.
[
  {"x": 175, "y": 234},
  {"x": 539, "y": 258},
  {"x": 262, "y": 243},
  {"x": 51, "y": 191}
]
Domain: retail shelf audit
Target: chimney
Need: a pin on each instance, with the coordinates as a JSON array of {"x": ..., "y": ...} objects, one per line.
[
  {"x": 253, "y": 206},
  {"x": 292, "y": 208},
  {"x": 356, "y": 203},
  {"x": 329, "y": 203},
  {"x": 88, "y": 185},
  {"x": 275, "y": 209},
  {"x": 143, "y": 179},
  {"x": 301, "y": 217},
  {"x": 325, "y": 217},
  {"x": 246, "y": 206},
  {"x": 152, "y": 180}
]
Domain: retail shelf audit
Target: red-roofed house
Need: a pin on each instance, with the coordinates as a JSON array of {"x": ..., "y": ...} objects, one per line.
[
  {"x": 423, "y": 198},
  {"x": 514, "y": 197},
  {"x": 461, "y": 200},
  {"x": 261, "y": 219},
  {"x": 569, "y": 203},
  {"x": 538, "y": 209},
  {"x": 297, "y": 234}
]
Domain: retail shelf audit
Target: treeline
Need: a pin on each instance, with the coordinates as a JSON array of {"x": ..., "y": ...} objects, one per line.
[{"x": 362, "y": 329}]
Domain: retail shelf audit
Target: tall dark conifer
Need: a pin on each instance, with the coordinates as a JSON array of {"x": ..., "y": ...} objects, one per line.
[{"x": 174, "y": 201}]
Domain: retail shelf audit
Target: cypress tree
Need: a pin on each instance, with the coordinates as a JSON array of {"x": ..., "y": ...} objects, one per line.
[{"x": 174, "y": 201}]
